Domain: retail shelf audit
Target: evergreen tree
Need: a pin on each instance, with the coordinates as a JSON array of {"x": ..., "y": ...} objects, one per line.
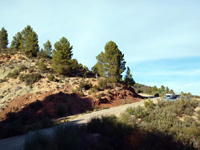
[
  {"x": 16, "y": 42},
  {"x": 162, "y": 88},
  {"x": 3, "y": 38},
  {"x": 41, "y": 65},
  {"x": 111, "y": 63},
  {"x": 128, "y": 80},
  {"x": 47, "y": 48},
  {"x": 167, "y": 90},
  {"x": 61, "y": 56},
  {"x": 25, "y": 33},
  {"x": 31, "y": 47}
]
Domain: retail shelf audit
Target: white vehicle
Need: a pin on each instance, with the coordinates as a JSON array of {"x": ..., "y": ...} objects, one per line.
[{"x": 169, "y": 96}]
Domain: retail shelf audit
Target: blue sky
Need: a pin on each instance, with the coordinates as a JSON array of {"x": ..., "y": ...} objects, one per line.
[{"x": 160, "y": 39}]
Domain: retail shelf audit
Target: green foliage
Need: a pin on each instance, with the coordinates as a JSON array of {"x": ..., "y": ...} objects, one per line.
[
  {"x": 61, "y": 56},
  {"x": 47, "y": 48},
  {"x": 81, "y": 94},
  {"x": 26, "y": 41},
  {"x": 14, "y": 74},
  {"x": 31, "y": 47},
  {"x": 30, "y": 79},
  {"x": 52, "y": 78},
  {"x": 128, "y": 80},
  {"x": 149, "y": 104},
  {"x": 42, "y": 66},
  {"x": 22, "y": 68},
  {"x": 140, "y": 88},
  {"x": 103, "y": 84},
  {"x": 16, "y": 42},
  {"x": 111, "y": 63},
  {"x": 3, "y": 38},
  {"x": 85, "y": 85},
  {"x": 163, "y": 119}
]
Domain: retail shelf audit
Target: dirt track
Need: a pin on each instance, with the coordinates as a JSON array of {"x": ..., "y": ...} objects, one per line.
[{"x": 16, "y": 143}]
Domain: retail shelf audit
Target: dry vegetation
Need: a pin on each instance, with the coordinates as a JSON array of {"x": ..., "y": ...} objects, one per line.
[{"x": 29, "y": 87}]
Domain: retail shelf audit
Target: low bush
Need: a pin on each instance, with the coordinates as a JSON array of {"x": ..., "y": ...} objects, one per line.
[
  {"x": 52, "y": 78},
  {"x": 85, "y": 85},
  {"x": 149, "y": 104},
  {"x": 16, "y": 72},
  {"x": 42, "y": 66},
  {"x": 13, "y": 74},
  {"x": 22, "y": 68},
  {"x": 30, "y": 79},
  {"x": 103, "y": 83}
]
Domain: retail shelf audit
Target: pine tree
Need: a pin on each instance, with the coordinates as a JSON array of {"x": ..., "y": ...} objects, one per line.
[
  {"x": 128, "y": 80},
  {"x": 25, "y": 33},
  {"x": 47, "y": 48},
  {"x": 162, "y": 88},
  {"x": 16, "y": 42},
  {"x": 3, "y": 38},
  {"x": 111, "y": 63},
  {"x": 61, "y": 56},
  {"x": 167, "y": 90},
  {"x": 31, "y": 47}
]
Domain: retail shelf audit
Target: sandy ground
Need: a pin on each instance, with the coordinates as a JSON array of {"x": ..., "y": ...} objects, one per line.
[{"x": 18, "y": 141}]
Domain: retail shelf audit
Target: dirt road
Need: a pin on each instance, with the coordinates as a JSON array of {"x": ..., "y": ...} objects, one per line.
[{"x": 16, "y": 143}]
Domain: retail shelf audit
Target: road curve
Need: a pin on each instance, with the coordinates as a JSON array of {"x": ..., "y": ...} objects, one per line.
[{"x": 16, "y": 143}]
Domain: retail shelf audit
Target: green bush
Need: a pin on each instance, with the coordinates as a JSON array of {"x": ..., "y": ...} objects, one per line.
[
  {"x": 96, "y": 88},
  {"x": 52, "y": 78},
  {"x": 22, "y": 68},
  {"x": 149, "y": 104},
  {"x": 30, "y": 79},
  {"x": 13, "y": 74},
  {"x": 85, "y": 85},
  {"x": 42, "y": 66},
  {"x": 103, "y": 83}
]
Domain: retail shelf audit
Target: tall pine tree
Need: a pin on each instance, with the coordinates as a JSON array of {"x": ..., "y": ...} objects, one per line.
[
  {"x": 61, "y": 56},
  {"x": 25, "y": 33},
  {"x": 111, "y": 63},
  {"x": 31, "y": 46},
  {"x": 3, "y": 38},
  {"x": 47, "y": 48},
  {"x": 16, "y": 42},
  {"x": 128, "y": 80}
]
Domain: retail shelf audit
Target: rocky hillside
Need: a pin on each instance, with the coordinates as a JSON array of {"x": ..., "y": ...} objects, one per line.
[{"x": 23, "y": 84}]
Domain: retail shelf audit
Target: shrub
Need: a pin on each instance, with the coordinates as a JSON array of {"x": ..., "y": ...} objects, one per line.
[
  {"x": 30, "y": 79},
  {"x": 52, "y": 78},
  {"x": 85, "y": 85},
  {"x": 81, "y": 94},
  {"x": 22, "y": 68},
  {"x": 96, "y": 88},
  {"x": 149, "y": 104},
  {"x": 93, "y": 90},
  {"x": 41, "y": 65},
  {"x": 103, "y": 83},
  {"x": 2, "y": 80},
  {"x": 13, "y": 74}
]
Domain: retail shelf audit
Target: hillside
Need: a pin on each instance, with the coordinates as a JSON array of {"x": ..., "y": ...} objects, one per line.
[{"x": 26, "y": 91}]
